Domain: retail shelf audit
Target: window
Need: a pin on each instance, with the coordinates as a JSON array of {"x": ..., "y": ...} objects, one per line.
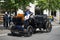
[{"x": 53, "y": 13}]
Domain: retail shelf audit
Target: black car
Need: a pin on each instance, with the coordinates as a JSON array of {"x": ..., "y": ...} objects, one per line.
[{"x": 40, "y": 21}]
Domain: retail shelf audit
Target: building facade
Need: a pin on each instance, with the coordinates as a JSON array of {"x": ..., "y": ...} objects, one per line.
[
  {"x": 1, "y": 11},
  {"x": 56, "y": 14}
]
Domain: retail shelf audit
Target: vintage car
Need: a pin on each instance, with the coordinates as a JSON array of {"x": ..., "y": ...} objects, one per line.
[
  {"x": 20, "y": 26},
  {"x": 29, "y": 27}
]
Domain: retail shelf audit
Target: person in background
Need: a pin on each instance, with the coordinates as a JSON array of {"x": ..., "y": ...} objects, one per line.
[
  {"x": 9, "y": 19},
  {"x": 5, "y": 19}
]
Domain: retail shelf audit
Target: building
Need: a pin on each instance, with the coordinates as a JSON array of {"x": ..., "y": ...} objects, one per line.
[
  {"x": 56, "y": 14},
  {"x": 1, "y": 11}
]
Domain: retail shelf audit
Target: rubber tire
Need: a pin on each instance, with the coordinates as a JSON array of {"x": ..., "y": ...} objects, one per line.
[
  {"x": 12, "y": 31},
  {"x": 29, "y": 32},
  {"x": 48, "y": 27}
]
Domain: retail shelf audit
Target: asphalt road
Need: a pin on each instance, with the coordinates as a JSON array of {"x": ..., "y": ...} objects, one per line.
[{"x": 53, "y": 35}]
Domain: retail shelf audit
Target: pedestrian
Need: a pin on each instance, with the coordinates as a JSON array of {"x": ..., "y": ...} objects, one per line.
[
  {"x": 5, "y": 19},
  {"x": 9, "y": 19}
]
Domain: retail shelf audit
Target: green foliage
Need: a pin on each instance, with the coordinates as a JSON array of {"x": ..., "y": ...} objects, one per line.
[
  {"x": 43, "y": 4},
  {"x": 49, "y": 4},
  {"x": 15, "y": 4}
]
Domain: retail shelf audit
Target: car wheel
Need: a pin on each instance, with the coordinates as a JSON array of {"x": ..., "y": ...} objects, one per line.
[
  {"x": 12, "y": 31},
  {"x": 29, "y": 32},
  {"x": 48, "y": 27}
]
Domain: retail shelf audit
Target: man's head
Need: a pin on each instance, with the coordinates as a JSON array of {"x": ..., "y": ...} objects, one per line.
[
  {"x": 28, "y": 8},
  {"x": 5, "y": 12}
]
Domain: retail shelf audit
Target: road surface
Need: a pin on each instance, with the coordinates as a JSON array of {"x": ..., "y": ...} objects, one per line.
[{"x": 53, "y": 35}]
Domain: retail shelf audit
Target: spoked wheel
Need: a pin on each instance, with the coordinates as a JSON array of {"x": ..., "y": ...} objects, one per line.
[
  {"x": 48, "y": 27},
  {"x": 29, "y": 32}
]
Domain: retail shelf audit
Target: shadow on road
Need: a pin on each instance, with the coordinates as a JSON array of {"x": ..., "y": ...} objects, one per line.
[
  {"x": 17, "y": 35},
  {"x": 20, "y": 35},
  {"x": 41, "y": 32}
]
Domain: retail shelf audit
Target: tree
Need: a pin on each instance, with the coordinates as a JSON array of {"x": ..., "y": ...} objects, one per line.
[
  {"x": 15, "y": 4},
  {"x": 49, "y": 4},
  {"x": 42, "y": 4}
]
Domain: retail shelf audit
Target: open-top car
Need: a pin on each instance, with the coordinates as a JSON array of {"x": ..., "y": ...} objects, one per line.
[{"x": 28, "y": 27}]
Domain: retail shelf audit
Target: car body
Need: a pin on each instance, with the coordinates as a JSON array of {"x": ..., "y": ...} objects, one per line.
[{"x": 28, "y": 27}]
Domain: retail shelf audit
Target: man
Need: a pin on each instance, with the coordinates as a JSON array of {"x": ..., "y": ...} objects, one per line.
[
  {"x": 27, "y": 13},
  {"x": 5, "y": 18},
  {"x": 20, "y": 13}
]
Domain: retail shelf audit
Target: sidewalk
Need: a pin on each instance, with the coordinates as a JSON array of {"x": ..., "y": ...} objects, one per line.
[
  {"x": 1, "y": 27},
  {"x": 55, "y": 23},
  {"x": 3, "y": 31}
]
